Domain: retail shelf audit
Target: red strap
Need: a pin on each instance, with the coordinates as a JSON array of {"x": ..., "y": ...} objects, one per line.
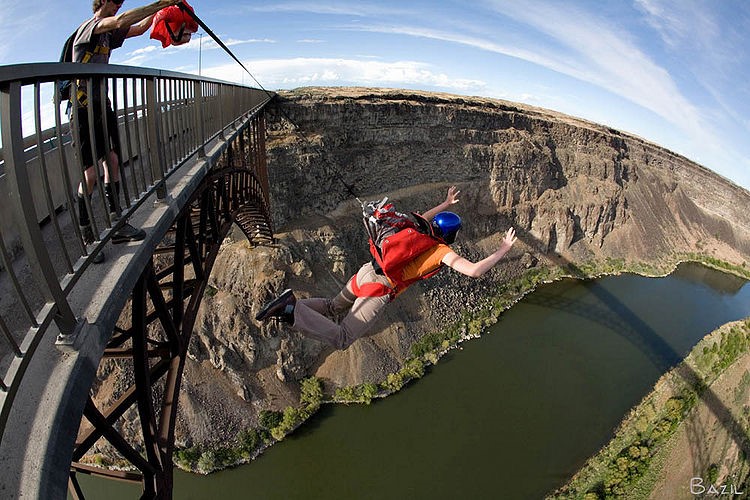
[{"x": 369, "y": 289}]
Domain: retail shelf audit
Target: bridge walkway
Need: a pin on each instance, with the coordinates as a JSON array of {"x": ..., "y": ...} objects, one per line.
[{"x": 193, "y": 155}]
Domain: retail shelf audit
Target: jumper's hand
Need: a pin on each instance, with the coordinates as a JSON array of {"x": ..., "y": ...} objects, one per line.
[
  {"x": 509, "y": 239},
  {"x": 452, "y": 196}
]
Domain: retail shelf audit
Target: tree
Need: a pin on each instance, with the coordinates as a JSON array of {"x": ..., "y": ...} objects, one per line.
[
  {"x": 268, "y": 419},
  {"x": 311, "y": 392}
]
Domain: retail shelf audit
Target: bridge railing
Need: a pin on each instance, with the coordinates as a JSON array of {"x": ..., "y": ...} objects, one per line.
[{"x": 164, "y": 120}]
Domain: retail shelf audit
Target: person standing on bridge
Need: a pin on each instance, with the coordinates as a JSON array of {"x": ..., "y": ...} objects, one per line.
[
  {"x": 93, "y": 42},
  {"x": 371, "y": 289}
]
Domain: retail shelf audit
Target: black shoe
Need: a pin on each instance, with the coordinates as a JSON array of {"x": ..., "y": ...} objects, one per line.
[
  {"x": 98, "y": 257},
  {"x": 281, "y": 307},
  {"x": 128, "y": 233}
]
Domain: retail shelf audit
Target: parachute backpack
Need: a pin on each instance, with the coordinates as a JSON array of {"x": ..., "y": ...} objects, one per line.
[
  {"x": 173, "y": 25},
  {"x": 395, "y": 240},
  {"x": 62, "y": 88}
]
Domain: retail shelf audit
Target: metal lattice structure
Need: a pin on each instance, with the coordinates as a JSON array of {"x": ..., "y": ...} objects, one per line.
[{"x": 164, "y": 304}]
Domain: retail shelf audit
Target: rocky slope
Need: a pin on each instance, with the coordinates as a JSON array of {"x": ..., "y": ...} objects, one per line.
[{"x": 576, "y": 192}]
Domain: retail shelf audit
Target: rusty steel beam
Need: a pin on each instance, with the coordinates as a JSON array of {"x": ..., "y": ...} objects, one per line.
[{"x": 164, "y": 305}]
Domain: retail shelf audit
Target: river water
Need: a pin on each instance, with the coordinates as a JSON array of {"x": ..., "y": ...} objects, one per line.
[{"x": 512, "y": 414}]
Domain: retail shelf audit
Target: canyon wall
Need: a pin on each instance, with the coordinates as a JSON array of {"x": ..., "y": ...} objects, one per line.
[{"x": 575, "y": 191}]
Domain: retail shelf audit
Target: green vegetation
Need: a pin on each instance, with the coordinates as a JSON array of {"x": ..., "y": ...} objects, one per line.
[
  {"x": 248, "y": 443},
  {"x": 431, "y": 346},
  {"x": 632, "y": 462},
  {"x": 311, "y": 393},
  {"x": 628, "y": 466},
  {"x": 428, "y": 350},
  {"x": 413, "y": 369},
  {"x": 311, "y": 397},
  {"x": 268, "y": 419},
  {"x": 274, "y": 425},
  {"x": 712, "y": 474},
  {"x": 363, "y": 393},
  {"x": 714, "y": 359}
]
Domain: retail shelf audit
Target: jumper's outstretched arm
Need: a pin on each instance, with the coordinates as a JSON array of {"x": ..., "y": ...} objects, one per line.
[
  {"x": 477, "y": 269},
  {"x": 450, "y": 199}
]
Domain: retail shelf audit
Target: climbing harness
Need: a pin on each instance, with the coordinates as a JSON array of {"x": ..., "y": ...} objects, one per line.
[
  {"x": 370, "y": 289},
  {"x": 63, "y": 87}
]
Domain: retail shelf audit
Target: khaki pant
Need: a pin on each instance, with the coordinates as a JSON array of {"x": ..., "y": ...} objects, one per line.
[{"x": 313, "y": 316}]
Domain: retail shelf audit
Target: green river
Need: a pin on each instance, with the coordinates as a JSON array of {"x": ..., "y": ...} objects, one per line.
[{"x": 512, "y": 414}]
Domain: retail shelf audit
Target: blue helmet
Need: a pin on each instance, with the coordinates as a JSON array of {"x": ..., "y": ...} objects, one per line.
[{"x": 446, "y": 225}]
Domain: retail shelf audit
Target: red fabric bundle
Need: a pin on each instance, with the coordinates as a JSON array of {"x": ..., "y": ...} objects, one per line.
[{"x": 172, "y": 26}]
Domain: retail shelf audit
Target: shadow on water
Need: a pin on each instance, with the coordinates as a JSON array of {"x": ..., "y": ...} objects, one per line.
[
  {"x": 312, "y": 424},
  {"x": 625, "y": 323},
  {"x": 725, "y": 284}
]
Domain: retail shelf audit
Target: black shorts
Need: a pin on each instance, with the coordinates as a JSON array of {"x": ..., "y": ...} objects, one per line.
[{"x": 102, "y": 146}]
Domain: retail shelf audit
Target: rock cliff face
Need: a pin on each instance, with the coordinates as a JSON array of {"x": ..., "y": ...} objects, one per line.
[{"x": 576, "y": 191}]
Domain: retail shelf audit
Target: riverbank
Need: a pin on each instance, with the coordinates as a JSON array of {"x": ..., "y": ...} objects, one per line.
[
  {"x": 275, "y": 426},
  {"x": 685, "y": 437}
]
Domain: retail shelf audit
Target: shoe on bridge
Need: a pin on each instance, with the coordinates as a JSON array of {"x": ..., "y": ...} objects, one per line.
[{"x": 128, "y": 233}]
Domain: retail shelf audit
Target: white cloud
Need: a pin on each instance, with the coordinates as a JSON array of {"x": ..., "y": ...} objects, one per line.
[
  {"x": 458, "y": 38},
  {"x": 331, "y": 8},
  {"x": 606, "y": 56},
  {"x": 144, "y": 50},
  {"x": 714, "y": 52},
  {"x": 138, "y": 56},
  {"x": 679, "y": 21},
  {"x": 287, "y": 73},
  {"x": 17, "y": 22},
  {"x": 595, "y": 51}
]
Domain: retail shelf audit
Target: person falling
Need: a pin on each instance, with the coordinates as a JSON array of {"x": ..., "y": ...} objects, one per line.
[{"x": 371, "y": 289}]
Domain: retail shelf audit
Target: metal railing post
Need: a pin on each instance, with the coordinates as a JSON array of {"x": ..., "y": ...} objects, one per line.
[
  {"x": 200, "y": 126},
  {"x": 155, "y": 146},
  {"x": 22, "y": 201},
  {"x": 222, "y": 111}
]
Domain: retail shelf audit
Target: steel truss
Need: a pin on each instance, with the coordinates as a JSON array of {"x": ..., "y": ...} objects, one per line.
[{"x": 154, "y": 330}]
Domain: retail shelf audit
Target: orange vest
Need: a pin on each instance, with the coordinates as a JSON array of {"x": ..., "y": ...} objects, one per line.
[{"x": 424, "y": 266}]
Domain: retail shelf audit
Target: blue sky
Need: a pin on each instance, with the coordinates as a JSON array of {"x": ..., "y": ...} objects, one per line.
[{"x": 675, "y": 72}]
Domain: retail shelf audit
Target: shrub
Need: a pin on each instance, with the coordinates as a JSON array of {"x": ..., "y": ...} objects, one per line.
[
  {"x": 394, "y": 381},
  {"x": 187, "y": 457},
  {"x": 363, "y": 393},
  {"x": 288, "y": 422},
  {"x": 414, "y": 368},
  {"x": 207, "y": 461},
  {"x": 713, "y": 473},
  {"x": 311, "y": 392},
  {"x": 249, "y": 439},
  {"x": 268, "y": 419}
]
